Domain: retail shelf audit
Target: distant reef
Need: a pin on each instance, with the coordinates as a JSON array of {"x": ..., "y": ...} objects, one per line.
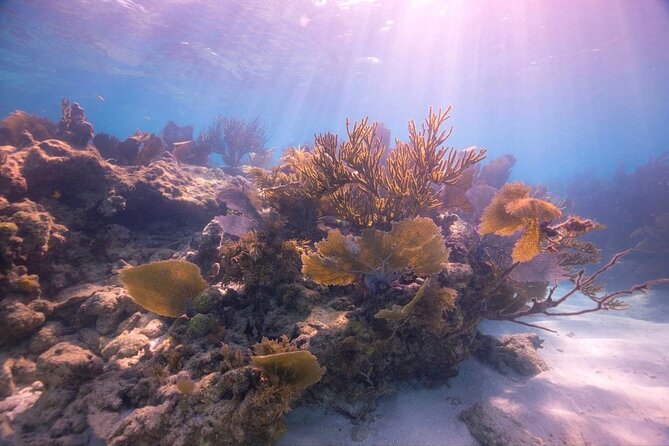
[{"x": 149, "y": 298}]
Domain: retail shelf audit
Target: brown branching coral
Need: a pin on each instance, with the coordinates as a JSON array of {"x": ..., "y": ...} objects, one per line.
[
  {"x": 366, "y": 183},
  {"x": 411, "y": 245},
  {"x": 513, "y": 209},
  {"x": 260, "y": 258}
]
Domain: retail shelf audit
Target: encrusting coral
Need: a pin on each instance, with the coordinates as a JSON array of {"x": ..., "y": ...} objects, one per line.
[
  {"x": 166, "y": 287},
  {"x": 514, "y": 209},
  {"x": 379, "y": 257}
]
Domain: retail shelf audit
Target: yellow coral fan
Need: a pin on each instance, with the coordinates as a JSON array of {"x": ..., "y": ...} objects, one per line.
[
  {"x": 495, "y": 218},
  {"x": 416, "y": 245},
  {"x": 402, "y": 312},
  {"x": 298, "y": 369},
  {"x": 166, "y": 287},
  {"x": 426, "y": 309},
  {"x": 513, "y": 209}
]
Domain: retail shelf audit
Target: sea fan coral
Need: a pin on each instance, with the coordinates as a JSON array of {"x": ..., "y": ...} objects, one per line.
[
  {"x": 426, "y": 309},
  {"x": 234, "y": 138},
  {"x": 411, "y": 245},
  {"x": 166, "y": 287},
  {"x": 298, "y": 369},
  {"x": 513, "y": 209}
]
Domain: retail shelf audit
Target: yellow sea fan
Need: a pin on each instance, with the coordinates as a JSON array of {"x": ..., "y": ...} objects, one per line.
[
  {"x": 335, "y": 262},
  {"x": 496, "y": 219},
  {"x": 513, "y": 209},
  {"x": 166, "y": 287},
  {"x": 299, "y": 369},
  {"x": 529, "y": 244},
  {"x": 533, "y": 208},
  {"x": 416, "y": 245}
]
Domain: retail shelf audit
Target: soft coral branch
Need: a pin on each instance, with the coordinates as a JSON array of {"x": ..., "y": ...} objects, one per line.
[{"x": 585, "y": 283}]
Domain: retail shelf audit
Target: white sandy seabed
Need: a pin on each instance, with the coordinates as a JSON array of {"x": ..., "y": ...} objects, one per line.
[{"x": 608, "y": 384}]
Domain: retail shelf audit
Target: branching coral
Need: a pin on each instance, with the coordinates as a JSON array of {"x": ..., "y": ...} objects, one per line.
[
  {"x": 166, "y": 287},
  {"x": 379, "y": 257},
  {"x": 512, "y": 210},
  {"x": 260, "y": 258},
  {"x": 234, "y": 138},
  {"x": 366, "y": 183}
]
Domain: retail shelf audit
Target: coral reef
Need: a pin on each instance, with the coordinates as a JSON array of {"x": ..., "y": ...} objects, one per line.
[
  {"x": 326, "y": 279},
  {"x": 13, "y": 126}
]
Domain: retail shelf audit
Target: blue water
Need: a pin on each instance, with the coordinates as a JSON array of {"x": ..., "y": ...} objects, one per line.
[{"x": 567, "y": 87}]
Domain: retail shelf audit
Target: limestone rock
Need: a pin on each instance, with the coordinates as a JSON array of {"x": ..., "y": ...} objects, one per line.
[
  {"x": 515, "y": 352},
  {"x": 493, "y": 426},
  {"x": 104, "y": 309},
  {"x": 126, "y": 345},
  {"x": 46, "y": 337},
  {"x": 67, "y": 365},
  {"x": 17, "y": 321},
  {"x": 6, "y": 380}
]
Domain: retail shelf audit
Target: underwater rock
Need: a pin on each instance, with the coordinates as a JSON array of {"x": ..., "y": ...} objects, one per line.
[
  {"x": 12, "y": 183},
  {"x": 172, "y": 132},
  {"x": 48, "y": 336},
  {"x": 493, "y": 426},
  {"x": 105, "y": 309},
  {"x": 7, "y": 386},
  {"x": 514, "y": 352},
  {"x": 17, "y": 321},
  {"x": 127, "y": 345},
  {"x": 67, "y": 365},
  {"x": 73, "y": 126}
]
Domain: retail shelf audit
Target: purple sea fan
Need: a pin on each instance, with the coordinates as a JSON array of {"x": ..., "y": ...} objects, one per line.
[
  {"x": 480, "y": 196},
  {"x": 545, "y": 267},
  {"x": 236, "y": 225}
]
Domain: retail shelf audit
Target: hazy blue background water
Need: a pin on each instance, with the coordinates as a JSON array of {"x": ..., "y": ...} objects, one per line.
[{"x": 566, "y": 86}]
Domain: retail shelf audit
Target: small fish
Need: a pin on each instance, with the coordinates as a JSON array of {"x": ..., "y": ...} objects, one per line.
[
  {"x": 99, "y": 98},
  {"x": 182, "y": 143},
  {"x": 56, "y": 195},
  {"x": 148, "y": 118}
]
